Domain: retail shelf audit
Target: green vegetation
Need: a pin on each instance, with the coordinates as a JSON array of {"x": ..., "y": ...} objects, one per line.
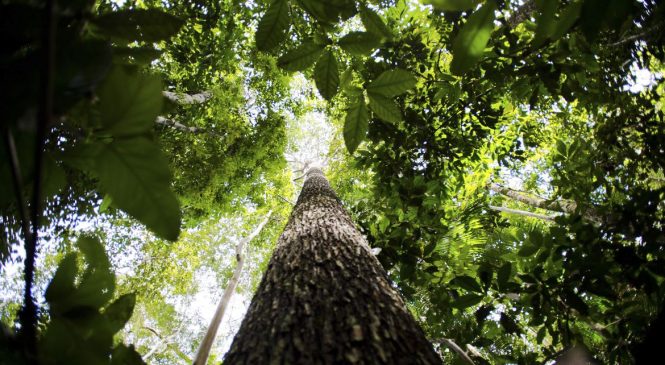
[{"x": 507, "y": 157}]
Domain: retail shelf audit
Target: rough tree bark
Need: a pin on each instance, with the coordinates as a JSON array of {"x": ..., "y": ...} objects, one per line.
[{"x": 325, "y": 299}]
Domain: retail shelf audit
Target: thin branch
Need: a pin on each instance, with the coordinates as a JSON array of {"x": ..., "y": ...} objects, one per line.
[
  {"x": 453, "y": 346},
  {"x": 202, "y": 354},
  {"x": 167, "y": 342},
  {"x": 635, "y": 37},
  {"x": 523, "y": 213},
  {"x": 187, "y": 99},
  {"x": 18, "y": 183},
  {"x": 179, "y": 126}
]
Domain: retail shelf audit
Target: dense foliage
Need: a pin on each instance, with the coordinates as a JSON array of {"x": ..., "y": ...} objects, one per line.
[{"x": 507, "y": 157}]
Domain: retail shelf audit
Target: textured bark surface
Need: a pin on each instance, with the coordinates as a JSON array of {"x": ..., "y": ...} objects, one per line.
[{"x": 324, "y": 298}]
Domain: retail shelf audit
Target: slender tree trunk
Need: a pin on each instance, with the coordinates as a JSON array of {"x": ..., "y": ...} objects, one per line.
[
  {"x": 562, "y": 206},
  {"x": 204, "y": 350},
  {"x": 325, "y": 299},
  {"x": 522, "y": 212}
]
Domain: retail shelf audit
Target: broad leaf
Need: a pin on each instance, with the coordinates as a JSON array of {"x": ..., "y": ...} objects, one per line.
[
  {"x": 468, "y": 300},
  {"x": 126, "y": 355},
  {"x": 273, "y": 25},
  {"x": 568, "y": 17},
  {"x": 470, "y": 43},
  {"x": 468, "y": 283},
  {"x": 136, "y": 175},
  {"x": 453, "y": 5},
  {"x": 356, "y": 124},
  {"x": 527, "y": 250},
  {"x": 326, "y": 75},
  {"x": 301, "y": 58},
  {"x": 359, "y": 43},
  {"x": 374, "y": 24},
  {"x": 504, "y": 274},
  {"x": 392, "y": 83},
  {"x": 62, "y": 284},
  {"x": 148, "y": 25},
  {"x": 384, "y": 108},
  {"x": 129, "y": 103},
  {"x": 119, "y": 312}
]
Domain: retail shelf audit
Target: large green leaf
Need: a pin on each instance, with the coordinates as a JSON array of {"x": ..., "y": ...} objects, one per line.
[
  {"x": 385, "y": 108},
  {"x": 136, "y": 175},
  {"x": 360, "y": 43},
  {"x": 148, "y": 25},
  {"x": 326, "y": 75},
  {"x": 392, "y": 83},
  {"x": 119, "y": 312},
  {"x": 468, "y": 283},
  {"x": 356, "y": 123},
  {"x": 453, "y": 5},
  {"x": 63, "y": 282},
  {"x": 467, "y": 300},
  {"x": 470, "y": 43},
  {"x": 273, "y": 25},
  {"x": 302, "y": 57},
  {"x": 374, "y": 24},
  {"x": 129, "y": 103},
  {"x": 568, "y": 17}
]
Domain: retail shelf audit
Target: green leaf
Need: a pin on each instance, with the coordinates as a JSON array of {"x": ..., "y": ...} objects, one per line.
[
  {"x": 545, "y": 22},
  {"x": 356, "y": 124},
  {"x": 106, "y": 203},
  {"x": 374, "y": 24},
  {"x": 509, "y": 324},
  {"x": 93, "y": 251},
  {"x": 136, "y": 175},
  {"x": 453, "y": 5},
  {"x": 359, "y": 43},
  {"x": 528, "y": 250},
  {"x": 326, "y": 75},
  {"x": 301, "y": 58},
  {"x": 129, "y": 103},
  {"x": 346, "y": 79},
  {"x": 62, "y": 284},
  {"x": 392, "y": 83},
  {"x": 137, "y": 55},
  {"x": 504, "y": 274},
  {"x": 568, "y": 18},
  {"x": 148, "y": 25},
  {"x": 119, "y": 312},
  {"x": 468, "y": 283},
  {"x": 273, "y": 25},
  {"x": 466, "y": 301},
  {"x": 126, "y": 355},
  {"x": 384, "y": 108},
  {"x": 470, "y": 43}
]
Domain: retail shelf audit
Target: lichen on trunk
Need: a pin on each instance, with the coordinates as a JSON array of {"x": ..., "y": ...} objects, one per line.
[{"x": 325, "y": 299}]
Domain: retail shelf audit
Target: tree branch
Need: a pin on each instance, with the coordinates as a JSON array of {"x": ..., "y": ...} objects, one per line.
[
  {"x": 181, "y": 127},
  {"x": 453, "y": 346},
  {"x": 522, "y": 212},
  {"x": 187, "y": 99},
  {"x": 204, "y": 349}
]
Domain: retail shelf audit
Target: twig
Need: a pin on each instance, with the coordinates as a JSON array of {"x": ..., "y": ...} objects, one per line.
[
  {"x": 453, "y": 346},
  {"x": 18, "y": 183}
]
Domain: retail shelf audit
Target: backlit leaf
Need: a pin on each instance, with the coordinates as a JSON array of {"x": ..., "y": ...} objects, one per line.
[{"x": 470, "y": 43}]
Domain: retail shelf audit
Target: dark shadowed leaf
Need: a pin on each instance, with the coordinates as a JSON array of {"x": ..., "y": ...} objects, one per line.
[
  {"x": 374, "y": 24},
  {"x": 453, "y": 5},
  {"x": 148, "y": 25},
  {"x": 468, "y": 283},
  {"x": 119, "y": 312},
  {"x": 466, "y": 301}
]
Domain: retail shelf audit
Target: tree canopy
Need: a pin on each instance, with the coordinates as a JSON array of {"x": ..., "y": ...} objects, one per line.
[{"x": 505, "y": 158}]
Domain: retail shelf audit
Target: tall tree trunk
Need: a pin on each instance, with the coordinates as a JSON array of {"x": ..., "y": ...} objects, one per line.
[{"x": 325, "y": 299}]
